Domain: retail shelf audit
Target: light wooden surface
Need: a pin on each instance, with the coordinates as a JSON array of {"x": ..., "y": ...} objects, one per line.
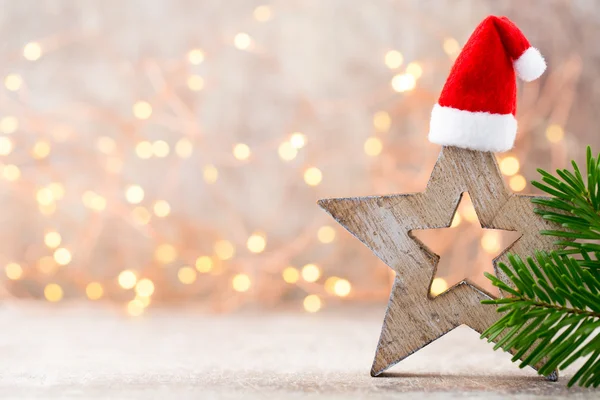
[
  {"x": 384, "y": 224},
  {"x": 97, "y": 353}
]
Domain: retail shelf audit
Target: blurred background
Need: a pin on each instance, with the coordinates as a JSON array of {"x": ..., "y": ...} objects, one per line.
[{"x": 161, "y": 152}]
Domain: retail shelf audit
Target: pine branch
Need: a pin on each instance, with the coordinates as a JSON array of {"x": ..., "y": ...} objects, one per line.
[
  {"x": 551, "y": 318},
  {"x": 575, "y": 205}
]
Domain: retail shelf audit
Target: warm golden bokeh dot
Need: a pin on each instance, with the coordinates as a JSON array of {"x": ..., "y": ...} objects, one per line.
[
  {"x": 9, "y": 125},
  {"x": 144, "y": 288},
  {"x": 165, "y": 253},
  {"x": 393, "y": 59},
  {"x": 298, "y": 140},
  {"x": 142, "y": 110},
  {"x": 403, "y": 82},
  {"x": 241, "y": 151},
  {"x": 53, "y": 292},
  {"x": 162, "y": 208},
  {"x": 456, "y": 220},
  {"x": 135, "y": 307},
  {"x": 326, "y": 234},
  {"x": 47, "y": 209},
  {"x": 312, "y": 303},
  {"x": 161, "y": 149},
  {"x": 11, "y": 172},
  {"x": 62, "y": 256},
  {"x": 127, "y": 279},
  {"x": 242, "y": 41},
  {"x": 93, "y": 201},
  {"x": 517, "y": 183},
  {"x": 467, "y": 211},
  {"x": 241, "y": 283},
  {"x": 94, "y": 291},
  {"x": 145, "y": 300},
  {"x": 210, "y": 174},
  {"x": 438, "y": 286},
  {"x": 13, "y": 271},
  {"x": 490, "y": 242},
  {"x": 32, "y": 51},
  {"x": 256, "y": 243},
  {"x": 187, "y": 275},
  {"x": 195, "y": 83},
  {"x": 290, "y": 275},
  {"x": 373, "y": 146},
  {"x": 57, "y": 189},
  {"x": 52, "y": 239},
  {"x": 414, "y": 69},
  {"x": 311, "y": 273},
  {"x": 509, "y": 165},
  {"x": 6, "y": 146},
  {"x": 204, "y": 264},
  {"x": 342, "y": 288},
  {"x": 554, "y": 133},
  {"x": 330, "y": 284},
  {"x": 184, "y": 148},
  {"x": 382, "y": 121},
  {"x": 224, "y": 250},
  {"x": 44, "y": 196},
  {"x": 13, "y": 82},
  {"x": 134, "y": 194},
  {"x": 262, "y": 13},
  {"x": 195, "y": 56},
  {"x": 144, "y": 149},
  {"x": 41, "y": 149},
  {"x": 286, "y": 151},
  {"x": 313, "y": 176},
  {"x": 451, "y": 46}
]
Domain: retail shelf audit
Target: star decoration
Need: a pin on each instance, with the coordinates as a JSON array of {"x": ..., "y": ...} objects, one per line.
[
  {"x": 385, "y": 223},
  {"x": 458, "y": 257}
]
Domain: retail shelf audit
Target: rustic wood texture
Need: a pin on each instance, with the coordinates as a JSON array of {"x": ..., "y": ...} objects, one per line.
[
  {"x": 91, "y": 351},
  {"x": 384, "y": 223}
]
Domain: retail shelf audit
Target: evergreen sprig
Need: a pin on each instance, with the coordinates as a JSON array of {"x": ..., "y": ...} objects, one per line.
[
  {"x": 552, "y": 315},
  {"x": 575, "y": 205},
  {"x": 553, "y": 311}
]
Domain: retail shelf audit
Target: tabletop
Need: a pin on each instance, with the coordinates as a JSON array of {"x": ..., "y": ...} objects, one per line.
[{"x": 77, "y": 351}]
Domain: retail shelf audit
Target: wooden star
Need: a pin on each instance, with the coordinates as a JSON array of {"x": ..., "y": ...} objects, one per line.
[{"x": 384, "y": 223}]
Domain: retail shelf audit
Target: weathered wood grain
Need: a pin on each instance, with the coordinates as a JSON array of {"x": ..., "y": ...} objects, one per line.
[{"x": 384, "y": 224}]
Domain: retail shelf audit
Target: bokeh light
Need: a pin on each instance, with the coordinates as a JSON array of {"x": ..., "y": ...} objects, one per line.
[
  {"x": 290, "y": 275},
  {"x": 393, "y": 59},
  {"x": 241, "y": 283},
  {"x": 94, "y": 290},
  {"x": 312, "y": 303},
  {"x": 311, "y": 273},
  {"x": 403, "y": 82},
  {"x": 127, "y": 279},
  {"x": 313, "y": 176},
  {"x": 438, "y": 286},
  {"x": 53, "y": 292}
]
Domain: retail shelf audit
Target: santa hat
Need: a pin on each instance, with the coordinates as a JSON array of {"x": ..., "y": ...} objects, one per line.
[{"x": 476, "y": 109}]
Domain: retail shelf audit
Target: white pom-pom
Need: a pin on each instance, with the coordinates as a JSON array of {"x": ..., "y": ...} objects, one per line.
[{"x": 531, "y": 65}]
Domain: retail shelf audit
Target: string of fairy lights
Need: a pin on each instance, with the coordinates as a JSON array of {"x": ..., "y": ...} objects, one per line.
[{"x": 138, "y": 288}]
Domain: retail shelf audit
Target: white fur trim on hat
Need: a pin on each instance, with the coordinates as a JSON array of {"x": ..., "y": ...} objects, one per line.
[
  {"x": 531, "y": 65},
  {"x": 481, "y": 131}
]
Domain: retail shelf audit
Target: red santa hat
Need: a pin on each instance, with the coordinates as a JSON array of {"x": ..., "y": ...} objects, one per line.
[{"x": 476, "y": 109}]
